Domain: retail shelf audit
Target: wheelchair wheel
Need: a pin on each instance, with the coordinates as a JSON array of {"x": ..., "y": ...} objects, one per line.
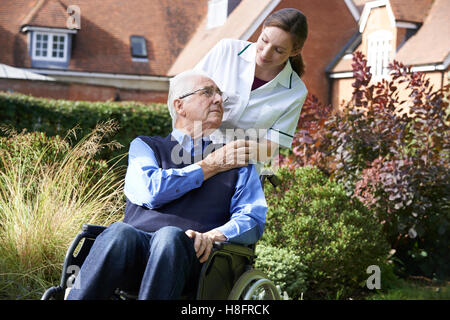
[{"x": 253, "y": 285}]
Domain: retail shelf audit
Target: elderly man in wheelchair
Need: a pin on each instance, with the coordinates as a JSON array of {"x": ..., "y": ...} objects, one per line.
[{"x": 187, "y": 197}]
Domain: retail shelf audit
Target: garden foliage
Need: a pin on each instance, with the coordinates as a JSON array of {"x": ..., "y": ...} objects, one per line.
[
  {"x": 49, "y": 187},
  {"x": 390, "y": 146},
  {"x": 284, "y": 267},
  {"x": 335, "y": 236},
  {"x": 56, "y": 117}
]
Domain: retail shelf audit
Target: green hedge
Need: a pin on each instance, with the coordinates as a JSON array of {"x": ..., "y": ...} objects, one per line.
[{"x": 56, "y": 117}]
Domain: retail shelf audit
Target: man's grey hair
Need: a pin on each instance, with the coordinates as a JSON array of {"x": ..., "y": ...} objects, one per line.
[{"x": 179, "y": 85}]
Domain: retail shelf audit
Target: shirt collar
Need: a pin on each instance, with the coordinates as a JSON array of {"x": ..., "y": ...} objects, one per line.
[
  {"x": 248, "y": 53},
  {"x": 284, "y": 77},
  {"x": 186, "y": 140}
]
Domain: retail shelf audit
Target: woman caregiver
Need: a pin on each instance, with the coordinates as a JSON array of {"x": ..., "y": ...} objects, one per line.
[{"x": 262, "y": 80}]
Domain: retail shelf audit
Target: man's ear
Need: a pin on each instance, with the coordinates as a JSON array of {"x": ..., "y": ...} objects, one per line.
[{"x": 179, "y": 107}]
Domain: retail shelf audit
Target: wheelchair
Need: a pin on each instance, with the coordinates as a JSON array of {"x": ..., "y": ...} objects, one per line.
[{"x": 228, "y": 274}]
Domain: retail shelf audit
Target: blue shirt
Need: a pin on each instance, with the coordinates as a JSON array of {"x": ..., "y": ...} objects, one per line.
[{"x": 146, "y": 184}]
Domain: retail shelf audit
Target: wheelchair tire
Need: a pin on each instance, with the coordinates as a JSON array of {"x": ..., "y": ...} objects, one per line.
[{"x": 254, "y": 285}]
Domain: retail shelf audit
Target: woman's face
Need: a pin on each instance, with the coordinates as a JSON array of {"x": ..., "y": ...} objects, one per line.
[{"x": 274, "y": 47}]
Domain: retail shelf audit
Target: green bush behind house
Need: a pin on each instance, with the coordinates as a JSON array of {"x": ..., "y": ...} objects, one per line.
[
  {"x": 335, "y": 236},
  {"x": 56, "y": 117}
]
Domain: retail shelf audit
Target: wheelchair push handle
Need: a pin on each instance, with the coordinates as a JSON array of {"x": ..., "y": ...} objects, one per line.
[{"x": 272, "y": 177}]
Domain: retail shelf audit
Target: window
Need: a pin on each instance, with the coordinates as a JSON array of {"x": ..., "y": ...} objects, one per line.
[
  {"x": 49, "y": 46},
  {"x": 232, "y": 4},
  {"x": 217, "y": 13},
  {"x": 379, "y": 51},
  {"x": 138, "y": 47}
]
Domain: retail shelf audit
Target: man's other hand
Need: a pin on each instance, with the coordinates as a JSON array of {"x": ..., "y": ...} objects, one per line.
[{"x": 203, "y": 242}]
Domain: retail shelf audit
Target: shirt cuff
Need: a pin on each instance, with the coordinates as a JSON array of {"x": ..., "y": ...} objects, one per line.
[{"x": 231, "y": 231}]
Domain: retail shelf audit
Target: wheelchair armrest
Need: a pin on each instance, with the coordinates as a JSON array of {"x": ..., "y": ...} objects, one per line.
[
  {"x": 92, "y": 229},
  {"x": 88, "y": 232},
  {"x": 234, "y": 248}
]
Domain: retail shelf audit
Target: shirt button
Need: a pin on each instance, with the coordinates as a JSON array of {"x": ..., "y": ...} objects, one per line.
[
  {"x": 177, "y": 190},
  {"x": 197, "y": 182}
]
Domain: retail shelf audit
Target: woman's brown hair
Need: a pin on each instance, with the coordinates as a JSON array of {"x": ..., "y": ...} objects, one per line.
[{"x": 292, "y": 21}]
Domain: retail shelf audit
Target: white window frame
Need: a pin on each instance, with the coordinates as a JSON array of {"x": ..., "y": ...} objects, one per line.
[
  {"x": 379, "y": 48},
  {"x": 50, "y": 46},
  {"x": 217, "y": 13}
]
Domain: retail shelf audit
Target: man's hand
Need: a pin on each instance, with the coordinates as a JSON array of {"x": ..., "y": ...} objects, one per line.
[
  {"x": 266, "y": 150},
  {"x": 203, "y": 242},
  {"x": 232, "y": 155}
]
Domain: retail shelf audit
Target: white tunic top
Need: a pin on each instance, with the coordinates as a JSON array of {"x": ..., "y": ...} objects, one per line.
[{"x": 275, "y": 106}]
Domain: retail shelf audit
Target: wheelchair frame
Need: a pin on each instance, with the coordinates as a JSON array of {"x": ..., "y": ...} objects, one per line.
[{"x": 215, "y": 282}]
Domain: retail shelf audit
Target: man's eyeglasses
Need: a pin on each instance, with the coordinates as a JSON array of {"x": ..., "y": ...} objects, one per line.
[{"x": 208, "y": 92}]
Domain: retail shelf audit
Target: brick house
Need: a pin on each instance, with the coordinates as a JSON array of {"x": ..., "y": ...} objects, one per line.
[
  {"x": 330, "y": 25},
  {"x": 119, "y": 50},
  {"x": 415, "y": 33},
  {"x": 99, "y": 63},
  {"x": 129, "y": 50}
]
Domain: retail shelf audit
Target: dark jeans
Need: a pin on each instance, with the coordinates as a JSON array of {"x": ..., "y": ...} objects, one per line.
[{"x": 160, "y": 265}]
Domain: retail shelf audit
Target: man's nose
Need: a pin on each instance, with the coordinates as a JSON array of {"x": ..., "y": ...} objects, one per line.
[{"x": 217, "y": 97}]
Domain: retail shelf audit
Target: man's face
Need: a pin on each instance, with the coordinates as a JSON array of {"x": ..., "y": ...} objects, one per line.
[{"x": 204, "y": 106}]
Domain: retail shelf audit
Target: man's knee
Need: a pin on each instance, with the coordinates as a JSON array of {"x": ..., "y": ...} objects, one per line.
[
  {"x": 121, "y": 228},
  {"x": 171, "y": 233},
  {"x": 171, "y": 236},
  {"x": 119, "y": 233}
]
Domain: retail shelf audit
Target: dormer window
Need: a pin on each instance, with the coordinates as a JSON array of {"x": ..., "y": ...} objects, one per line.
[
  {"x": 219, "y": 10},
  {"x": 217, "y": 13},
  {"x": 49, "y": 47},
  {"x": 378, "y": 53},
  {"x": 138, "y": 48}
]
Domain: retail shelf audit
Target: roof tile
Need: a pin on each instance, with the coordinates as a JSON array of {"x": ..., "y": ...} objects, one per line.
[
  {"x": 433, "y": 34},
  {"x": 103, "y": 42}
]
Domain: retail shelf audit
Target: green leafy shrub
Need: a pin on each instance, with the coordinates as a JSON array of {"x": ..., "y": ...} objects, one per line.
[
  {"x": 393, "y": 155},
  {"x": 56, "y": 117},
  {"x": 335, "y": 236},
  {"x": 284, "y": 268}
]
